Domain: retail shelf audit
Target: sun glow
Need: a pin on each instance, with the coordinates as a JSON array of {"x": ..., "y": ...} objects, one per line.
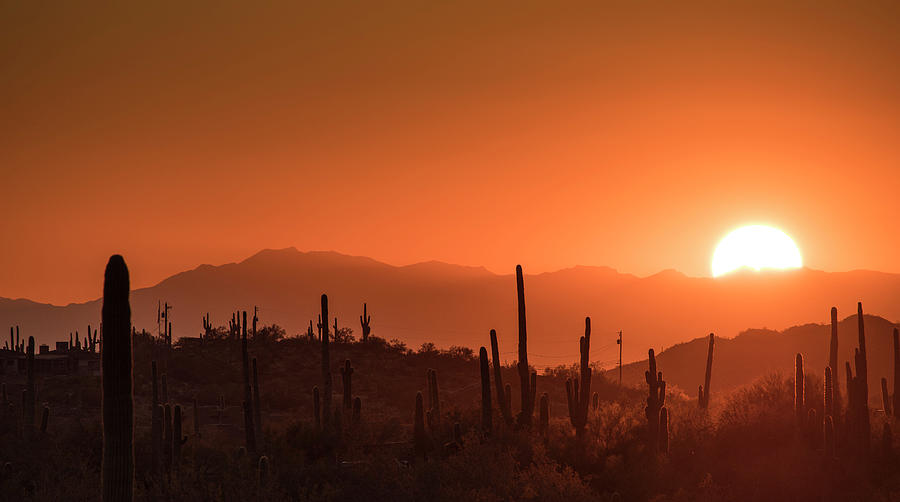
[{"x": 756, "y": 247}]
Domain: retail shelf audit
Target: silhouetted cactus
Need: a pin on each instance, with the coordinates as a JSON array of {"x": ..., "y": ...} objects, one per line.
[
  {"x": 262, "y": 472},
  {"x": 655, "y": 401},
  {"x": 664, "y": 431},
  {"x": 421, "y": 441},
  {"x": 177, "y": 437},
  {"x": 502, "y": 401},
  {"x": 434, "y": 400},
  {"x": 545, "y": 415},
  {"x": 29, "y": 401},
  {"x": 704, "y": 389},
  {"x": 885, "y": 397},
  {"x": 118, "y": 400},
  {"x": 326, "y": 365},
  {"x": 525, "y": 378},
  {"x": 828, "y": 388},
  {"x": 829, "y": 448},
  {"x": 896, "y": 398},
  {"x": 595, "y": 401},
  {"x": 578, "y": 393},
  {"x": 249, "y": 428},
  {"x": 364, "y": 321},
  {"x": 257, "y": 412},
  {"x": 833, "y": 364},
  {"x": 814, "y": 428},
  {"x": 799, "y": 402},
  {"x": 858, "y": 391},
  {"x": 165, "y": 388},
  {"x": 486, "y": 412},
  {"x": 347, "y": 380}
]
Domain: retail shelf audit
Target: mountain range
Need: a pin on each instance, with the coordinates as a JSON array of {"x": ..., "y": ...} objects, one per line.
[{"x": 458, "y": 305}]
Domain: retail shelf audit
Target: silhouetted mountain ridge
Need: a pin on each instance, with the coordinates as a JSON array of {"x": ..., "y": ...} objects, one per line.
[{"x": 458, "y": 305}]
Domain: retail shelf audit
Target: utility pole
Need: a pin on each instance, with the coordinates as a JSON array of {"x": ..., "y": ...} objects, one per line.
[{"x": 619, "y": 343}]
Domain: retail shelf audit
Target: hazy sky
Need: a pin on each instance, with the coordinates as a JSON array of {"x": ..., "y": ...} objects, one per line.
[{"x": 633, "y": 135}]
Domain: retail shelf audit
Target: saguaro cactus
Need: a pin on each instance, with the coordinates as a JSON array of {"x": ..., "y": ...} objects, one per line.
[
  {"x": 29, "y": 401},
  {"x": 364, "y": 321},
  {"x": 829, "y": 437},
  {"x": 118, "y": 400},
  {"x": 326, "y": 364},
  {"x": 502, "y": 401},
  {"x": 833, "y": 363},
  {"x": 249, "y": 429},
  {"x": 177, "y": 437},
  {"x": 434, "y": 399},
  {"x": 525, "y": 378},
  {"x": 486, "y": 413},
  {"x": 896, "y": 400},
  {"x": 655, "y": 401},
  {"x": 704, "y": 389},
  {"x": 347, "y": 380},
  {"x": 828, "y": 388},
  {"x": 578, "y": 395},
  {"x": 858, "y": 391},
  {"x": 422, "y": 444},
  {"x": 799, "y": 403},
  {"x": 885, "y": 397},
  {"x": 545, "y": 415}
]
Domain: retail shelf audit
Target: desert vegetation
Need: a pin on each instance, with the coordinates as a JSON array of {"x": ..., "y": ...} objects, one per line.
[{"x": 246, "y": 412}]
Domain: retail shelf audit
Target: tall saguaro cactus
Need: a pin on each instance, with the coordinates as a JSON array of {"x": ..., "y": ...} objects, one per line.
[
  {"x": 118, "y": 400},
  {"x": 833, "y": 362},
  {"x": 29, "y": 400},
  {"x": 525, "y": 378},
  {"x": 486, "y": 413},
  {"x": 704, "y": 389},
  {"x": 326, "y": 365},
  {"x": 896, "y": 400},
  {"x": 578, "y": 395},
  {"x": 249, "y": 429},
  {"x": 655, "y": 401},
  {"x": 858, "y": 390},
  {"x": 799, "y": 402},
  {"x": 502, "y": 400}
]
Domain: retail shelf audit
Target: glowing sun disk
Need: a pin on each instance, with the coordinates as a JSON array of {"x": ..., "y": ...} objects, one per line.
[{"x": 756, "y": 247}]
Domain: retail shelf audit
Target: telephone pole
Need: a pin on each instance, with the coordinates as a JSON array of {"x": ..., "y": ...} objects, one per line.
[{"x": 619, "y": 343}]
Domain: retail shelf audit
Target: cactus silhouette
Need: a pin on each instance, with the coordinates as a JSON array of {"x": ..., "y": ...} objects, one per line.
[
  {"x": 545, "y": 415},
  {"x": 896, "y": 397},
  {"x": 28, "y": 402},
  {"x": 829, "y": 449},
  {"x": 885, "y": 397},
  {"x": 704, "y": 389},
  {"x": 502, "y": 401},
  {"x": 655, "y": 401},
  {"x": 326, "y": 365},
  {"x": 578, "y": 393},
  {"x": 828, "y": 387},
  {"x": 249, "y": 429},
  {"x": 364, "y": 321},
  {"x": 799, "y": 403},
  {"x": 833, "y": 364},
  {"x": 525, "y": 378},
  {"x": 434, "y": 400},
  {"x": 177, "y": 437},
  {"x": 421, "y": 441},
  {"x": 118, "y": 400},
  {"x": 486, "y": 413}
]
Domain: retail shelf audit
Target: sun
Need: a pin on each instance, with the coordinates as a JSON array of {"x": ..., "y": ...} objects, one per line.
[{"x": 756, "y": 247}]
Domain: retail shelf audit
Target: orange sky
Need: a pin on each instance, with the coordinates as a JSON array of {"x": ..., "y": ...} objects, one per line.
[{"x": 521, "y": 132}]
